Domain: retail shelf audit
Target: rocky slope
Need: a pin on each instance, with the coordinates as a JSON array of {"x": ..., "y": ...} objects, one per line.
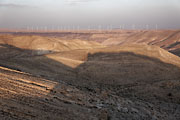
[{"x": 81, "y": 82}]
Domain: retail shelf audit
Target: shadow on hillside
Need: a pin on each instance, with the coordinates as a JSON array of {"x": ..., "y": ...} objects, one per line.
[
  {"x": 100, "y": 69},
  {"x": 107, "y": 68},
  {"x": 124, "y": 68},
  {"x": 33, "y": 61},
  {"x": 176, "y": 52}
]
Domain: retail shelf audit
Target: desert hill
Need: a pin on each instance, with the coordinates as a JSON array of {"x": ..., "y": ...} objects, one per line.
[
  {"x": 48, "y": 44},
  {"x": 82, "y": 79},
  {"x": 24, "y": 96},
  {"x": 168, "y": 39}
]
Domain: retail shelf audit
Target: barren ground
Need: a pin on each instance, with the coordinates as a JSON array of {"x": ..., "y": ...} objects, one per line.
[{"x": 109, "y": 75}]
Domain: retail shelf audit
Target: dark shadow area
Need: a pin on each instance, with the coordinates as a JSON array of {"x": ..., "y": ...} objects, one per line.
[
  {"x": 123, "y": 69},
  {"x": 100, "y": 68},
  {"x": 176, "y": 52},
  {"x": 9, "y": 53},
  {"x": 173, "y": 45},
  {"x": 99, "y": 83},
  {"x": 24, "y": 100}
]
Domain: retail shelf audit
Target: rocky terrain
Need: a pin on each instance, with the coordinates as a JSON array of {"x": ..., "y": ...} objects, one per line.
[{"x": 109, "y": 75}]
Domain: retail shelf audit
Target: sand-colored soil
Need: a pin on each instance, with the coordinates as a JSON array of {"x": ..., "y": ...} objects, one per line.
[{"x": 90, "y": 76}]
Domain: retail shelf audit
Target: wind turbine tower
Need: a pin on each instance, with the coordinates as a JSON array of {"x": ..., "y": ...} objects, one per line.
[
  {"x": 147, "y": 27},
  {"x": 156, "y": 27}
]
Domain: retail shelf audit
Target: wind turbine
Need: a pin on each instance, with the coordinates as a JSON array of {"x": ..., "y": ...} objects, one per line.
[
  {"x": 120, "y": 27},
  {"x": 89, "y": 28},
  {"x": 37, "y": 28},
  {"x": 147, "y": 27},
  {"x": 156, "y": 27},
  {"x": 58, "y": 28},
  {"x": 27, "y": 29},
  {"x": 78, "y": 27},
  {"x": 32, "y": 28},
  {"x": 133, "y": 27},
  {"x": 68, "y": 28},
  {"x": 99, "y": 27},
  {"x": 111, "y": 27},
  {"x": 73, "y": 28},
  {"x": 123, "y": 26},
  {"x": 52, "y": 28}
]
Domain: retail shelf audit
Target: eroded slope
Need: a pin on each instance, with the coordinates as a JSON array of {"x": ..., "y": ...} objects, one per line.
[{"x": 119, "y": 82}]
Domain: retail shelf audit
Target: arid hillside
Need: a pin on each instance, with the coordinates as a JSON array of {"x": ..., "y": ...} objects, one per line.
[
  {"x": 166, "y": 39},
  {"x": 42, "y": 43},
  {"x": 26, "y": 97},
  {"x": 169, "y": 40},
  {"x": 66, "y": 77}
]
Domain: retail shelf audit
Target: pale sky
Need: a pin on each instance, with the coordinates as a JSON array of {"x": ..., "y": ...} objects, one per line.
[{"x": 90, "y": 13}]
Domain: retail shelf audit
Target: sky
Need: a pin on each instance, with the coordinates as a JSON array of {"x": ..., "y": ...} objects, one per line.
[{"x": 63, "y": 14}]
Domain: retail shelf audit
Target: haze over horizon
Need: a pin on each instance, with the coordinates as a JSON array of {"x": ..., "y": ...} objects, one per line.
[{"x": 90, "y": 13}]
